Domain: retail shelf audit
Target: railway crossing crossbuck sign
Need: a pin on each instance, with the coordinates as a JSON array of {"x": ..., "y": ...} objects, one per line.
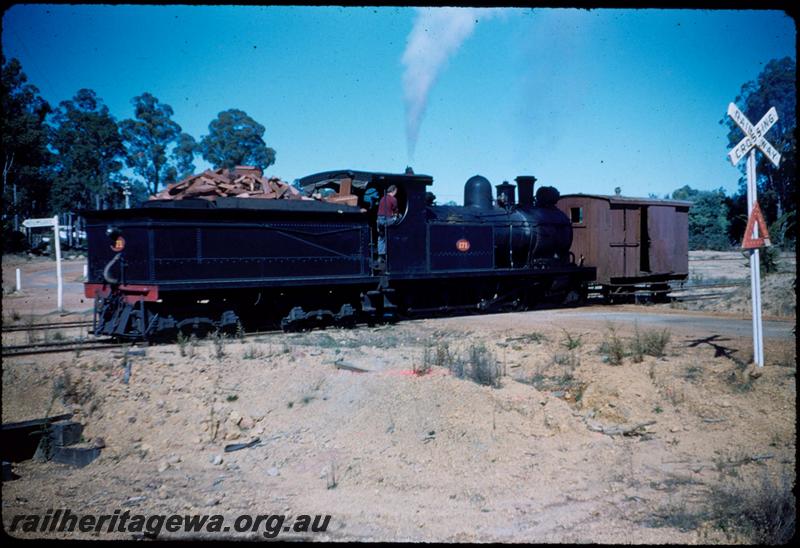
[
  {"x": 753, "y": 135},
  {"x": 756, "y": 232}
]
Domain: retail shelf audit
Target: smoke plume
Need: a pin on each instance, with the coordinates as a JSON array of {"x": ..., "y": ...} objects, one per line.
[{"x": 436, "y": 36}]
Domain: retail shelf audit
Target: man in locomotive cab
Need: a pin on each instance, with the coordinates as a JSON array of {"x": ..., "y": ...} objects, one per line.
[
  {"x": 388, "y": 213},
  {"x": 388, "y": 204}
]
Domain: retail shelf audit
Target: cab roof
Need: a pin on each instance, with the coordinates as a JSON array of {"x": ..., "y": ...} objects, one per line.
[{"x": 361, "y": 178}]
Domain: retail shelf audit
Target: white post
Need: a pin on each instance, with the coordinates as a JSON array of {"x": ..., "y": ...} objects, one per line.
[
  {"x": 58, "y": 265},
  {"x": 86, "y": 272},
  {"x": 19, "y": 281},
  {"x": 755, "y": 265}
]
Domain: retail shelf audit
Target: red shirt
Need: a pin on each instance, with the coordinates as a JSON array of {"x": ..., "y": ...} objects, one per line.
[{"x": 388, "y": 206}]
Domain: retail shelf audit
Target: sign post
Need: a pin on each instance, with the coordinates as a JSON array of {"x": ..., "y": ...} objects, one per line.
[
  {"x": 754, "y": 137},
  {"x": 58, "y": 264},
  {"x": 52, "y": 221}
]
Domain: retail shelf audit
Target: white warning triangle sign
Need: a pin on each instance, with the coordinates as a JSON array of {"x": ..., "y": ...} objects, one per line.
[{"x": 750, "y": 241}]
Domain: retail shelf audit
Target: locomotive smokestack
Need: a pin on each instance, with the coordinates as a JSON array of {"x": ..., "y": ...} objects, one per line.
[{"x": 525, "y": 184}]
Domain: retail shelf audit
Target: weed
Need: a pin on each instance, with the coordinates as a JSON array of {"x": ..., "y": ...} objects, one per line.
[
  {"x": 568, "y": 360},
  {"x": 252, "y": 352},
  {"x": 232, "y": 397},
  {"x": 240, "y": 331},
  {"x": 561, "y": 383},
  {"x": 15, "y": 316},
  {"x": 786, "y": 357},
  {"x": 74, "y": 392},
  {"x": 457, "y": 366},
  {"x": 612, "y": 347},
  {"x": 657, "y": 409},
  {"x": 745, "y": 385},
  {"x": 182, "y": 342},
  {"x": 442, "y": 357},
  {"x": 764, "y": 513},
  {"x": 29, "y": 330},
  {"x": 648, "y": 343},
  {"x": 193, "y": 342},
  {"x": 425, "y": 366},
  {"x": 309, "y": 394},
  {"x": 534, "y": 337},
  {"x": 387, "y": 341},
  {"x": 476, "y": 363},
  {"x": 636, "y": 345},
  {"x": 483, "y": 366},
  {"x": 323, "y": 340},
  {"x": 738, "y": 378},
  {"x": 677, "y": 517},
  {"x": 693, "y": 373},
  {"x": 654, "y": 343},
  {"x": 570, "y": 342},
  {"x": 58, "y": 336},
  {"x": 218, "y": 339}
]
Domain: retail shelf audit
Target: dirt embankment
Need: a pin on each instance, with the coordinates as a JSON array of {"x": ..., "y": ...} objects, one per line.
[{"x": 394, "y": 454}]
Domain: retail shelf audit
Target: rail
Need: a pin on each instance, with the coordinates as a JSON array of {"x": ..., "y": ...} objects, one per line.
[
  {"x": 81, "y": 345},
  {"x": 46, "y": 326}
]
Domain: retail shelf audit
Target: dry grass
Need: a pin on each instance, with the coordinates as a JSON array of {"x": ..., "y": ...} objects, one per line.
[
  {"x": 476, "y": 363},
  {"x": 612, "y": 348},
  {"x": 755, "y": 512}
]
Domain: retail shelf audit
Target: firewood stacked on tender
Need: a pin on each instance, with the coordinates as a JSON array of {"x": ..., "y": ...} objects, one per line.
[{"x": 241, "y": 182}]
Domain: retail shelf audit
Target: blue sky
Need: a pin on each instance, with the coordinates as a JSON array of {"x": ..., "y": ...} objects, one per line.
[{"x": 585, "y": 100}]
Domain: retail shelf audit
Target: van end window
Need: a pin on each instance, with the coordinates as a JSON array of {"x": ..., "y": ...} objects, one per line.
[{"x": 576, "y": 214}]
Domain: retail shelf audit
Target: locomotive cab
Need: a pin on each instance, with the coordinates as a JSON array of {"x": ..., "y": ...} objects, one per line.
[{"x": 405, "y": 238}]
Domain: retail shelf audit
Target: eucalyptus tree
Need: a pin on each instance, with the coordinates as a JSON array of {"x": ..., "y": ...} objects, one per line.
[
  {"x": 234, "y": 138},
  {"x": 88, "y": 153},
  {"x": 26, "y": 158},
  {"x": 775, "y": 86},
  {"x": 148, "y": 135}
]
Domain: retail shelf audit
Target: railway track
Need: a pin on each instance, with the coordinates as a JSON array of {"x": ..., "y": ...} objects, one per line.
[
  {"x": 82, "y": 345},
  {"x": 86, "y": 345},
  {"x": 46, "y": 326},
  {"x": 687, "y": 292},
  {"x": 698, "y": 292}
]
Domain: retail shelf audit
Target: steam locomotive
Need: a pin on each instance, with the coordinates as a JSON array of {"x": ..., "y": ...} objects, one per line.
[{"x": 198, "y": 265}]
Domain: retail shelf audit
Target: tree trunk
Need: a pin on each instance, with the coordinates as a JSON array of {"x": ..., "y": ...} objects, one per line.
[{"x": 156, "y": 180}]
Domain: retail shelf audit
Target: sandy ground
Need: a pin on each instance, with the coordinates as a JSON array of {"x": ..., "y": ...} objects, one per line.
[
  {"x": 39, "y": 295},
  {"x": 394, "y": 455}
]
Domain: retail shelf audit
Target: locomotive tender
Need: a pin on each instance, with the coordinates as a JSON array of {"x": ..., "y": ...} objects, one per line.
[{"x": 197, "y": 265}]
